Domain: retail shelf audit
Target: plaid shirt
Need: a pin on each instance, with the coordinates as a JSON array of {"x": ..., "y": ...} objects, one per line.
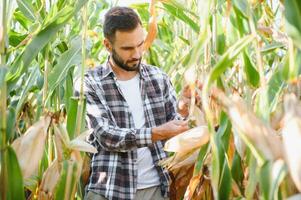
[{"x": 114, "y": 167}]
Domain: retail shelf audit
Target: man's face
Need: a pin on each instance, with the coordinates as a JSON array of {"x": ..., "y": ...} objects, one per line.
[{"x": 127, "y": 49}]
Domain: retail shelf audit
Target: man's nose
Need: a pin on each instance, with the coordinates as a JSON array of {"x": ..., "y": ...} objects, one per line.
[{"x": 137, "y": 53}]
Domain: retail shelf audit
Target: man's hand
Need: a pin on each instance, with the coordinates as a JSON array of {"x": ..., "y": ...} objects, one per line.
[
  {"x": 185, "y": 99},
  {"x": 169, "y": 129}
]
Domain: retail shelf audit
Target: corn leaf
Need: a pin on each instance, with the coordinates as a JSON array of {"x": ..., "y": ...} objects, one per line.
[
  {"x": 251, "y": 73},
  {"x": 237, "y": 170},
  {"x": 180, "y": 14},
  {"x": 279, "y": 171},
  {"x": 228, "y": 58},
  {"x": 264, "y": 175},
  {"x": 293, "y": 18},
  {"x": 271, "y": 47},
  {"x": 15, "y": 179},
  {"x": 68, "y": 59},
  {"x": 39, "y": 41},
  {"x": 31, "y": 81},
  {"x": 67, "y": 181},
  {"x": 68, "y": 88},
  {"x": 253, "y": 179},
  {"x": 11, "y": 123},
  {"x": 221, "y": 174},
  {"x": 201, "y": 158},
  {"x": 71, "y": 116},
  {"x": 27, "y": 9},
  {"x": 3, "y": 71},
  {"x": 242, "y": 7}
]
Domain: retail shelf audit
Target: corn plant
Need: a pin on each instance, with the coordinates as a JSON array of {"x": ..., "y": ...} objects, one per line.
[
  {"x": 245, "y": 55},
  {"x": 42, "y": 50}
]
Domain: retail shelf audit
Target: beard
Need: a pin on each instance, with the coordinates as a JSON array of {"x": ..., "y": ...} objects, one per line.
[{"x": 123, "y": 64}]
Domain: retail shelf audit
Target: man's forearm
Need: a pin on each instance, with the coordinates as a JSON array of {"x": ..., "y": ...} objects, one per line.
[
  {"x": 157, "y": 134},
  {"x": 168, "y": 130}
]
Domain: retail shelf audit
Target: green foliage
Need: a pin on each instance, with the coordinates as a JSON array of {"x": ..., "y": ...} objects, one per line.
[
  {"x": 15, "y": 188},
  {"x": 234, "y": 45}
]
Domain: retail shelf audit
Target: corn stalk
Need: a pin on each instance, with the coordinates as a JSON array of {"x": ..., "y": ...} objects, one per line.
[
  {"x": 82, "y": 71},
  {"x": 3, "y": 37}
]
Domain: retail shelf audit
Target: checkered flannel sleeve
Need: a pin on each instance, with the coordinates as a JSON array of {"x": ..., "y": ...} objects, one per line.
[{"x": 106, "y": 133}]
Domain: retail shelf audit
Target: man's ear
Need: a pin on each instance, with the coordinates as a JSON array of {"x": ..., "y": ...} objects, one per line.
[{"x": 108, "y": 45}]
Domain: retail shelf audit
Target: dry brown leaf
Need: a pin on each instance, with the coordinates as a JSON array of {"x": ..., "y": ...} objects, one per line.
[
  {"x": 30, "y": 146},
  {"x": 180, "y": 182},
  {"x": 247, "y": 124},
  {"x": 59, "y": 146},
  {"x": 85, "y": 174},
  {"x": 77, "y": 159},
  {"x": 292, "y": 137},
  {"x": 203, "y": 191},
  {"x": 231, "y": 149},
  {"x": 152, "y": 27},
  {"x": 200, "y": 186},
  {"x": 194, "y": 182},
  {"x": 49, "y": 181}
]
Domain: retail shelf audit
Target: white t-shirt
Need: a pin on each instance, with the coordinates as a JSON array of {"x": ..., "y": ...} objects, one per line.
[{"x": 147, "y": 174}]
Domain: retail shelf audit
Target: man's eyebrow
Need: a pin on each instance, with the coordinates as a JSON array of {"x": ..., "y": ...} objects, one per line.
[{"x": 127, "y": 47}]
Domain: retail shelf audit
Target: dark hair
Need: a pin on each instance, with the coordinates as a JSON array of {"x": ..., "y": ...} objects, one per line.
[{"x": 119, "y": 19}]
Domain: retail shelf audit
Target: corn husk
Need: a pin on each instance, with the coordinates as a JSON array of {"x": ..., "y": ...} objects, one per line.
[
  {"x": 187, "y": 146},
  {"x": 247, "y": 124},
  {"x": 80, "y": 144},
  {"x": 190, "y": 76},
  {"x": 292, "y": 137},
  {"x": 61, "y": 132},
  {"x": 30, "y": 146},
  {"x": 184, "y": 161},
  {"x": 49, "y": 181},
  {"x": 198, "y": 116},
  {"x": 178, "y": 160},
  {"x": 188, "y": 140},
  {"x": 77, "y": 144},
  {"x": 67, "y": 152}
]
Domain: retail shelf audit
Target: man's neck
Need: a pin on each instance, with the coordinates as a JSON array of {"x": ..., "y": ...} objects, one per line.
[{"x": 120, "y": 73}]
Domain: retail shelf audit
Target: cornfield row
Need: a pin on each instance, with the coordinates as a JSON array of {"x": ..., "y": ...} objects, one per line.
[{"x": 246, "y": 134}]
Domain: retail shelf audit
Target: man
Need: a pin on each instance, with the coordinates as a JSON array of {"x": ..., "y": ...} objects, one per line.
[{"x": 132, "y": 109}]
